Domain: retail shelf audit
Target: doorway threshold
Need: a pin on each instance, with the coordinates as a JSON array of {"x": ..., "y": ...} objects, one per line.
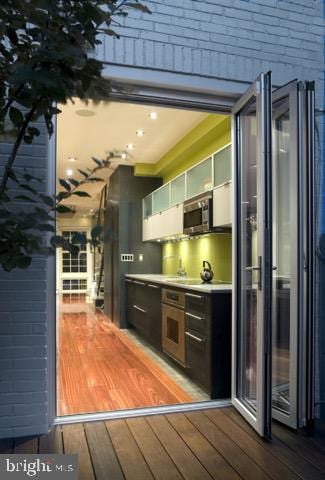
[{"x": 139, "y": 412}]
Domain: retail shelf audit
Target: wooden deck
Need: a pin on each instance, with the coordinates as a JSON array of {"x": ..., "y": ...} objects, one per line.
[{"x": 201, "y": 445}]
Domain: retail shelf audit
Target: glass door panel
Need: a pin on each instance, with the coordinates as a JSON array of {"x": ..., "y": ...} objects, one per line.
[
  {"x": 290, "y": 265},
  {"x": 252, "y": 256}
]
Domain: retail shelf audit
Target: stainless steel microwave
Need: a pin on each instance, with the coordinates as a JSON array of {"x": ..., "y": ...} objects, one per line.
[{"x": 198, "y": 214}]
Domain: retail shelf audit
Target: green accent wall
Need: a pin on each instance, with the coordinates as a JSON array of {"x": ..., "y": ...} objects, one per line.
[
  {"x": 214, "y": 247},
  {"x": 210, "y": 135}
]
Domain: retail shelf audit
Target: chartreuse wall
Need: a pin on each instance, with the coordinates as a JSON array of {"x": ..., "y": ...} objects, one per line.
[
  {"x": 214, "y": 247},
  {"x": 210, "y": 135}
]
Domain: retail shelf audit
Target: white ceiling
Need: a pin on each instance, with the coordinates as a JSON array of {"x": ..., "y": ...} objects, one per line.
[{"x": 111, "y": 127}]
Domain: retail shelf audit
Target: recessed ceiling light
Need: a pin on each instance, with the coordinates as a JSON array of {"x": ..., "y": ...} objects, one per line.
[
  {"x": 153, "y": 115},
  {"x": 130, "y": 146},
  {"x": 72, "y": 159},
  {"x": 85, "y": 112},
  {"x": 140, "y": 133},
  {"x": 69, "y": 172}
]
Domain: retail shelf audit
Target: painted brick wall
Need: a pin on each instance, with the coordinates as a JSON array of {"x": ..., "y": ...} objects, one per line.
[
  {"x": 23, "y": 307},
  {"x": 231, "y": 39}
]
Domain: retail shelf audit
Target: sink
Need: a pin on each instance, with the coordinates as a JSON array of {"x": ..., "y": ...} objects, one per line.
[{"x": 197, "y": 281}]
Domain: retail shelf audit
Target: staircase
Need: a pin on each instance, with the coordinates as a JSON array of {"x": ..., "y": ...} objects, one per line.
[{"x": 99, "y": 255}]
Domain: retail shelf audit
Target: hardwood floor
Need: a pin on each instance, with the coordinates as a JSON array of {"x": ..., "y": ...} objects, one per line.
[
  {"x": 209, "y": 444},
  {"x": 100, "y": 369}
]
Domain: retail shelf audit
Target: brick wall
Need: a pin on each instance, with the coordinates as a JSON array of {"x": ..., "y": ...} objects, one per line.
[
  {"x": 230, "y": 39},
  {"x": 23, "y": 327}
]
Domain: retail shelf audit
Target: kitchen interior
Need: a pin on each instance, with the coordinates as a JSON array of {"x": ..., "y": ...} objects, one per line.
[{"x": 144, "y": 318}]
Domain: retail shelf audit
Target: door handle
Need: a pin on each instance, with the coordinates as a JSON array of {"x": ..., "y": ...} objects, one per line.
[
  {"x": 194, "y": 337},
  {"x": 257, "y": 268}
]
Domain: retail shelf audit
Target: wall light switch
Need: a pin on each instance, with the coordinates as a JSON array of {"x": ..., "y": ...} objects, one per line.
[
  {"x": 127, "y": 257},
  {"x": 140, "y": 257}
]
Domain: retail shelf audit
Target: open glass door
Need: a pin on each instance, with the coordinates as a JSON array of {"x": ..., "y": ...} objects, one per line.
[
  {"x": 273, "y": 255},
  {"x": 251, "y": 389},
  {"x": 292, "y": 271}
]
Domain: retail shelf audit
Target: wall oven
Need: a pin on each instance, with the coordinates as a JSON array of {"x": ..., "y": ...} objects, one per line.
[
  {"x": 173, "y": 324},
  {"x": 198, "y": 214}
]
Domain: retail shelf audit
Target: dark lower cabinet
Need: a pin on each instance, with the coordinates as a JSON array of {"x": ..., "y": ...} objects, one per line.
[
  {"x": 207, "y": 332},
  {"x": 208, "y": 341},
  {"x": 143, "y": 310}
]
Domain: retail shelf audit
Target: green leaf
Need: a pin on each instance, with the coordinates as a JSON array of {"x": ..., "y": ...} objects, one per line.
[
  {"x": 29, "y": 188},
  {"x": 63, "y": 209},
  {"x": 138, "y": 6},
  {"x": 85, "y": 174},
  {"x": 65, "y": 184},
  {"x": 47, "y": 200},
  {"x": 79, "y": 193},
  {"x": 79, "y": 238},
  {"x": 96, "y": 231},
  {"x": 57, "y": 241},
  {"x": 24, "y": 197},
  {"x": 74, "y": 182},
  {"x": 98, "y": 162},
  {"x": 16, "y": 116}
]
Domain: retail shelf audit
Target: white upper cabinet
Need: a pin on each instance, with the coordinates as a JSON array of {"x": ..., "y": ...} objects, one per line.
[
  {"x": 222, "y": 194},
  {"x": 168, "y": 223},
  {"x": 163, "y": 208},
  {"x": 222, "y": 205}
]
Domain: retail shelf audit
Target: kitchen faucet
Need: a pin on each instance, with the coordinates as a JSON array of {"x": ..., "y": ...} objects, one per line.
[{"x": 181, "y": 271}]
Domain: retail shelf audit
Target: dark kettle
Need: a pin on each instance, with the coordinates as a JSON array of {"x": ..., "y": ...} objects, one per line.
[{"x": 206, "y": 274}]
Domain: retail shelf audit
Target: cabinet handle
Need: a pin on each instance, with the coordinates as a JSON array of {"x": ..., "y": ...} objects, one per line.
[
  {"x": 128, "y": 281},
  {"x": 139, "y": 309},
  {"x": 139, "y": 283},
  {"x": 226, "y": 183},
  {"x": 193, "y": 296},
  {"x": 194, "y": 316},
  {"x": 194, "y": 337},
  {"x": 152, "y": 286}
]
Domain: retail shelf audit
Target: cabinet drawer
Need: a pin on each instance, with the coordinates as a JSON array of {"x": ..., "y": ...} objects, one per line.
[
  {"x": 196, "y": 322},
  {"x": 198, "y": 359},
  {"x": 197, "y": 304},
  {"x": 140, "y": 319}
]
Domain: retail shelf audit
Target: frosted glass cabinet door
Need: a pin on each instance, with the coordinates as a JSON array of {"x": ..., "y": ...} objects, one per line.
[
  {"x": 222, "y": 166},
  {"x": 177, "y": 192},
  {"x": 199, "y": 178},
  {"x": 161, "y": 199},
  {"x": 147, "y": 206}
]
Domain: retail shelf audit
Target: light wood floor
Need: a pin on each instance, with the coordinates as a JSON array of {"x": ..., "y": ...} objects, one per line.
[
  {"x": 211, "y": 444},
  {"x": 100, "y": 369}
]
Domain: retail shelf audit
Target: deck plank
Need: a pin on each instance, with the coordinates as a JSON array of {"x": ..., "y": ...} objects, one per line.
[
  {"x": 26, "y": 445},
  {"x": 301, "y": 445},
  {"x": 52, "y": 442},
  {"x": 104, "y": 459},
  {"x": 294, "y": 461},
  {"x": 235, "y": 456},
  {"x": 130, "y": 457},
  {"x": 74, "y": 441},
  {"x": 274, "y": 467},
  {"x": 210, "y": 458},
  {"x": 186, "y": 462}
]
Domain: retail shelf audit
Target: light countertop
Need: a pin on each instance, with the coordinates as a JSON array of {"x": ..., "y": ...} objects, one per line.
[{"x": 174, "y": 281}]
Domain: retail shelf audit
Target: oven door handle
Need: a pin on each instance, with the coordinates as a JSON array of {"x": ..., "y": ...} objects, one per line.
[{"x": 194, "y": 337}]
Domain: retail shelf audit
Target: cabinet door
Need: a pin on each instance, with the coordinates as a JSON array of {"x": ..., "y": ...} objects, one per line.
[
  {"x": 222, "y": 205},
  {"x": 172, "y": 221},
  {"x": 129, "y": 285},
  {"x": 146, "y": 229}
]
